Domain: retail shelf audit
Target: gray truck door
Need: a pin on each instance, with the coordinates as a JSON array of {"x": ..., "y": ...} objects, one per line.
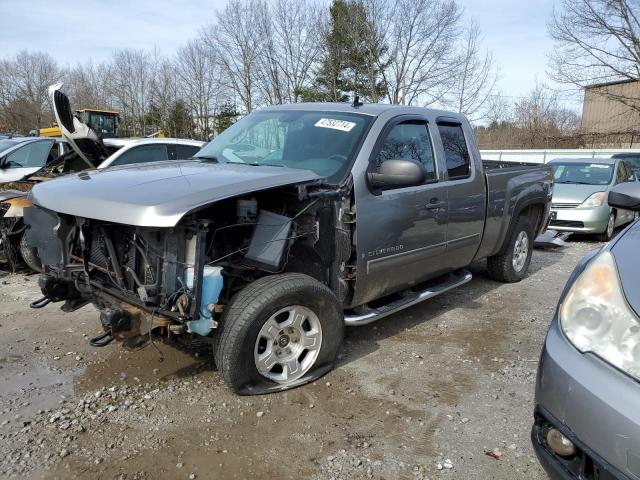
[
  {"x": 401, "y": 232},
  {"x": 466, "y": 192}
]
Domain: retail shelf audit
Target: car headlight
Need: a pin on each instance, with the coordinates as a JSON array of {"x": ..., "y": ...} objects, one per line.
[
  {"x": 596, "y": 318},
  {"x": 596, "y": 200}
]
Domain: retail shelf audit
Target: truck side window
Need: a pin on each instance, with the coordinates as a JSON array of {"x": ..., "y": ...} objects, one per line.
[
  {"x": 455, "y": 150},
  {"x": 409, "y": 141}
]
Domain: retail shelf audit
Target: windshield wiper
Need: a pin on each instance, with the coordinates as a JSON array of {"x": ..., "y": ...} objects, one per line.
[
  {"x": 257, "y": 164},
  {"x": 578, "y": 183},
  {"x": 209, "y": 158}
]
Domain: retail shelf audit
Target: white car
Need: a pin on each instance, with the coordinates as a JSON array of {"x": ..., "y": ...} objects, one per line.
[
  {"x": 143, "y": 150},
  {"x": 22, "y": 156}
]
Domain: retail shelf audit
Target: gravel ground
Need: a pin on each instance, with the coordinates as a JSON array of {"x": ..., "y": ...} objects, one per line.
[{"x": 425, "y": 393}]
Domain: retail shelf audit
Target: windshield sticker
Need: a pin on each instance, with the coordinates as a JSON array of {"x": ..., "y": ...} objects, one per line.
[
  {"x": 341, "y": 125},
  {"x": 598, "y": 165}
]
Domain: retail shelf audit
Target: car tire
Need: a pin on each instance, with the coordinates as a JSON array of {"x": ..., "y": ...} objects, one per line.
[
  {"x": 608, "y": 231},
  {"x": 511, "y": 266},
  {"x": 275, "y": 320},
  {"x": 30, "y": 255}
]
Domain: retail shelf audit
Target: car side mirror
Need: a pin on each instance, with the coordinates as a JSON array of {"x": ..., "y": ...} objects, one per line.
[
  {"x": 3, "y": 163},
  {"x": 625, "y": 196},
  {"x": 396, "y": 174}
]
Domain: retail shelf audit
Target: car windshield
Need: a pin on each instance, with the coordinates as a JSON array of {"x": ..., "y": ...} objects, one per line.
[
  {"x": 583, "y": 173},
  {"x": 8, "y": 143},
  {"x": 323, "y": 142}
]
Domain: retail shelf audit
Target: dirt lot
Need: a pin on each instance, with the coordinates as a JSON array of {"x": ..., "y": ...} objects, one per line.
[{"x": 422, "y": 394}]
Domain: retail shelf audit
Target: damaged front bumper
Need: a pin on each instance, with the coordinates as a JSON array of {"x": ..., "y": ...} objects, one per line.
[{"x": 135, "y": 276}]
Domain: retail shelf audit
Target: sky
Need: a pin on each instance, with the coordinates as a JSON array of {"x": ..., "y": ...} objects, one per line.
[{"x": 73, "y": 31}]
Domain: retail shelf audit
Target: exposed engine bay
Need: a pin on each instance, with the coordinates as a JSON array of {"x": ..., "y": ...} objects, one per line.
[{"x": 178, "y": 280}]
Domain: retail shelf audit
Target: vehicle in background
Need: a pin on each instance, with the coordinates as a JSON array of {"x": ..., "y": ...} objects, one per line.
[
  {"x": 88, "y": 152},
  {"x": 292, "y": 223},
  {"x": 587, "y": 420},
  {"x": 20, "y": 156},
  {"x": 631, "y": 159},
  {"x": 103, "y": 122},
  {"x": 13, "y": 195},
  {"x": 146, "y": 150},
  {"x": 580, "y": 190}
]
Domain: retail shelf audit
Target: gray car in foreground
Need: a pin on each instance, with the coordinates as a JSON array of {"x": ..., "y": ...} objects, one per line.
[{"x": 587, "y": 414}]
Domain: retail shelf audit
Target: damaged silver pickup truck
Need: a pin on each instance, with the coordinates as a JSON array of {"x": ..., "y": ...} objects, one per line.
[{"x": 294, "y": 222}]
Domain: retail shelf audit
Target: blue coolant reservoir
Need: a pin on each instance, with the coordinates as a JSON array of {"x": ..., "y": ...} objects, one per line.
[{"x": 212, "y": 283}]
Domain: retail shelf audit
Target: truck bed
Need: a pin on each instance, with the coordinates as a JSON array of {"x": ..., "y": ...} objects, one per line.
[{"x": 509, "y": 184}]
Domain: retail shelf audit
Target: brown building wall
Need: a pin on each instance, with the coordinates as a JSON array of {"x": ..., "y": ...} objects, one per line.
[{"x": 601, "y": 113}]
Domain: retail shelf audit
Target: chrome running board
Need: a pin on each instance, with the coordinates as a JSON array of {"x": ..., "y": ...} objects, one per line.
[{"x": 452, "y": 281}]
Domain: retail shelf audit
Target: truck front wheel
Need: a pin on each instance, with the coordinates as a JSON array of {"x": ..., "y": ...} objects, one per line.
[
  {"x": 511, "y": 266},
  {"x": 279, "y": 332}
]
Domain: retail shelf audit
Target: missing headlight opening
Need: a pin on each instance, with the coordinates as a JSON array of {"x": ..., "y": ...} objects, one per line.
[{"x": 175, "y": 281}]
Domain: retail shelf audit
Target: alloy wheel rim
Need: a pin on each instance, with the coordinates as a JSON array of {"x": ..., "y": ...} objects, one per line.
[
  {"x": 288, "y": 344},
  {"x": 520, "y": 251}
]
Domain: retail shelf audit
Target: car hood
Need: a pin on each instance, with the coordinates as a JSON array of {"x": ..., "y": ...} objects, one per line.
[
  {"x": 572, "y": 193},
  {"x": 157, "y": 194},
  {"x": 625, "y": 251},
  {"x": 83, "y": 140}
]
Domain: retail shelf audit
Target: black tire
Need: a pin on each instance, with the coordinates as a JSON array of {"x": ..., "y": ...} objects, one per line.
[
  {"x": 608, "y": 233},
  {"x": 30, "y": 255},
  {"x": 250, "y": 309},
  {"x": 501, "y": 267}
]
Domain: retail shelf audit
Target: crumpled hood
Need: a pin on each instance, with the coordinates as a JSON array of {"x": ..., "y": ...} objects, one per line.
[
  {"x": 625, "y": 251},
  {"x": 157, "y": 194},
  {"x": 572, "y": 193}
]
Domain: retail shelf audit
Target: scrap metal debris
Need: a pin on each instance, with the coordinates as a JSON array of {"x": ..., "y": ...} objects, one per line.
[{"x": 551, "y": 239}]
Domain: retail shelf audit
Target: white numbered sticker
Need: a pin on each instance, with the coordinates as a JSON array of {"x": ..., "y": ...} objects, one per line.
[{"x": 341, "y": 125}]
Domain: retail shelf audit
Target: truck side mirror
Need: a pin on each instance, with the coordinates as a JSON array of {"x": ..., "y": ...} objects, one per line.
[
  {"x": 397, "y": 174},
  {"x": 625, "y": 196}
]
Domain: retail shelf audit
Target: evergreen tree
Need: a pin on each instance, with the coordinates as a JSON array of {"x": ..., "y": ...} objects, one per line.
[{"x": 352, "y": 62}]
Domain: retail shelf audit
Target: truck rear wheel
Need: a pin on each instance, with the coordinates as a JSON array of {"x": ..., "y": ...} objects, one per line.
[
  {"x": 511, "y": 266},
  {"x": 279, "y": 332}
]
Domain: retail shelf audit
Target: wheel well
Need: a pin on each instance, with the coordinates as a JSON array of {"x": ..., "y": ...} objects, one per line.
[{"x": 535, "y": 214}]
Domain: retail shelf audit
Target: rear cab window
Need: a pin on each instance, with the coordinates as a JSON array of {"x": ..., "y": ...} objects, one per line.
[{"x": 456, "y": 151}]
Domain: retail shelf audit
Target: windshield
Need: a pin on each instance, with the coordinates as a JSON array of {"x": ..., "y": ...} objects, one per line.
[
  {"x": 583, "y": 173},
  {"x": 7, "y": 144},
  {"x": 323, "y": 142}
]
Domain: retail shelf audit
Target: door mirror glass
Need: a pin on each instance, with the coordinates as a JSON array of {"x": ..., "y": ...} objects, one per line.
[
  {"x": 625, "y": 196},
  {"x": 396, "y": 174}
]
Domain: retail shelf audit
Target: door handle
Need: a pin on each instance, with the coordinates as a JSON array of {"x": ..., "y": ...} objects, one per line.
[{"x": 434, "y": 203}]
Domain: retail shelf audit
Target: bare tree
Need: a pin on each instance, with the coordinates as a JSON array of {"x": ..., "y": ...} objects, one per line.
[
  {"x": 237, "y": 42},
  {"x": 596, "y": 41},
  {"x": 200, "y": 84},
  {"x": 476, "y": 78},
  {"x": 88, "y": 85},
  {"x": 421, "y": 36},
  {"x": 132, "y": 78},
  {"x": 25, "y": 79},
  {"x": 540, "y": 117},
  {"x": 291, "y": 31}
]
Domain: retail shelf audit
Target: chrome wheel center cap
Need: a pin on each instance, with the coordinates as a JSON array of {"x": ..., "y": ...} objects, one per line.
[{"x": 283, "y": 341}]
